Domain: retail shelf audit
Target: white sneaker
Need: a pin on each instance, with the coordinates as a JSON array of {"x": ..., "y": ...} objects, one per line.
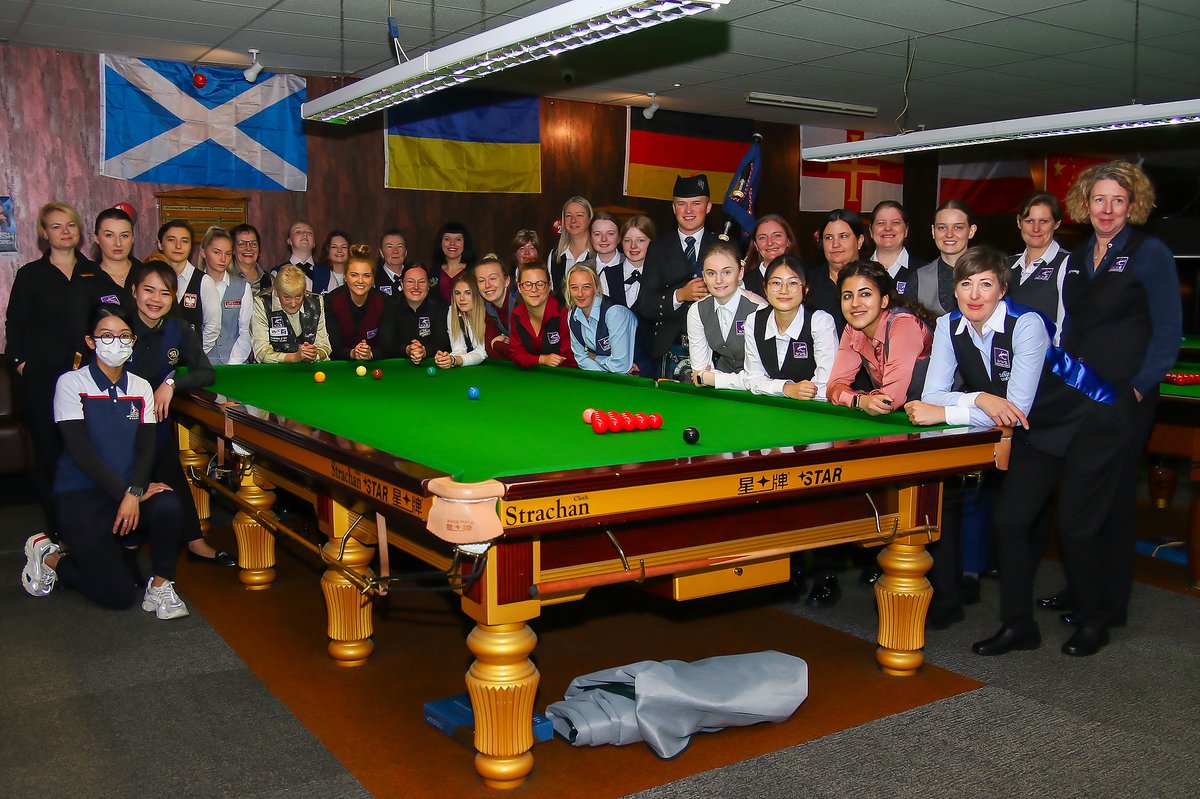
[
  {"x": 163, "y": 600},
  {"x": 37, "y": 577}
]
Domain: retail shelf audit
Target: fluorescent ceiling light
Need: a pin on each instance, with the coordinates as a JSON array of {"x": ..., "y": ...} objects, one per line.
[
  {"x": 1099, "y": 120},
  {"x": 568, "y": 26},
  {"x": 811, "y": 104}
]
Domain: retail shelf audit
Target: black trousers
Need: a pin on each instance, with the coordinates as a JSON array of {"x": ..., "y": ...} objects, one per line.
[
  {"x": 95, "y": 563},
  {"x": 36, "y": 396},
  {"x": 168, "y": 469},
  {"x": 946, "y": 574},
  {"x": 1095, "y": 506}
]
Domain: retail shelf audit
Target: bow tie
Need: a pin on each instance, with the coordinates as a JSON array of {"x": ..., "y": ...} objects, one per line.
[{"x": 635, "y": 277}]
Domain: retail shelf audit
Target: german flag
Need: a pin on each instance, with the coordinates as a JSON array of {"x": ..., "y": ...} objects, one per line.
[{"x": 674, "y": 143}]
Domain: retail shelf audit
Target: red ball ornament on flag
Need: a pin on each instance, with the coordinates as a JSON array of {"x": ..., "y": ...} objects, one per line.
[
  {"x": 127, "y": 208},
  {"x": 199, "y": 80}
]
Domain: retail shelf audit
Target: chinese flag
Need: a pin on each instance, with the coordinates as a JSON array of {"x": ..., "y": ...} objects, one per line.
[{"x": 1061, "y": 173}]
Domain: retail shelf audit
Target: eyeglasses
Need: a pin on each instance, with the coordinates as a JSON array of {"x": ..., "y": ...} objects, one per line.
[
  {"x": 413, "y": 281},
  {"x": 395, "y": 247},
  {"x": 776, "y": 284},
  {"x": 247, "y": 245},
  {"x": 534, "y": 285},
  {"x": 109, "y": 338}
]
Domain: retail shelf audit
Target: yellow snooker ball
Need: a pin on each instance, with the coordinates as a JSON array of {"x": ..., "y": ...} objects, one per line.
[
  {"x": 319, "y": 377},
  {"x": 361, "y": 371}
]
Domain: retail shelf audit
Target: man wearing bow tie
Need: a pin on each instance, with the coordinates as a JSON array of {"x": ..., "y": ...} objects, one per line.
[
  {"x": 302, "y": 240},
  {"x": 671, "y": 281}
]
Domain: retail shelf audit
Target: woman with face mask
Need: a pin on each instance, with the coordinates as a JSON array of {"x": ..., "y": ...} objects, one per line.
[{"x": 107, "y": 503}]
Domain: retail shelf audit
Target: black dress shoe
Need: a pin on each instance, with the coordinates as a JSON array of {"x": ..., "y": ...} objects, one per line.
[
  {"x": 870, "y": 574},
  {"x": 825, "y": 592},
  {"x": 991, "y": 574},
  {"x": 942, "y": 618},
  {"x": 1070, "y": 620},
  {"x": 1086, "y": 640},
  {"x": 1059, "y": 601},
  {"x": 969, "y": 590},
  {"x": 218, "y": 559},
  {"x": 1008, "y": 639}
]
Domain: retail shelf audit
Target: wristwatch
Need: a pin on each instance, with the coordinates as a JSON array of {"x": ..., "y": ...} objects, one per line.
[
  {"x": 135, "y": 491},
  {"x": 170, "y": 381}
]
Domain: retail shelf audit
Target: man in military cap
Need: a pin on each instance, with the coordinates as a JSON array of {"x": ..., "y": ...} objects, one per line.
[{"x": 671, "y": 276}]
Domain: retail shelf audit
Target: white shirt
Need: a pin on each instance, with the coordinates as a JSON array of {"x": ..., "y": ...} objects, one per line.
[
  {"x": 210, "y": 305},
  {"x": 699, "y": 237},
  {"x": 1022, "y": 273},
  {"x": 900, "y": 262},
  {"x": 825, "y": 343},
  {"x": 241, "y": 345},
  {"x": 700, "y": 352},
  {"x": 458, "y": 342},
  {"x": 1029, "y": 342}
]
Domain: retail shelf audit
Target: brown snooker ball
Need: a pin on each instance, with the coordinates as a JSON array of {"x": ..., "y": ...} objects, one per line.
[
  {"x": 691, "y": 435},
  {"x": 377, "y": 374}
]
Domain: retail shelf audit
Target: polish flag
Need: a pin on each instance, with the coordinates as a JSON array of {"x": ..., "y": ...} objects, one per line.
[
  {"x": 857, "y": 184},
  {"x": 989, "y": 187}
]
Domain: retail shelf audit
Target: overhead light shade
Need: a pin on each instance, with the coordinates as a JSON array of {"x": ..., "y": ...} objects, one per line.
[
  {"x": 1123, "y": 117},
  {"x": 556, "y": 30},
  {"x": 811, "y": 104}
]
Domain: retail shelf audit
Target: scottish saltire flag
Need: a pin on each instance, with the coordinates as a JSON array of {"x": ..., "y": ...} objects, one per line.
[
  {"x": 465, "y": 142},
  {"x": 158, "y": 125}
]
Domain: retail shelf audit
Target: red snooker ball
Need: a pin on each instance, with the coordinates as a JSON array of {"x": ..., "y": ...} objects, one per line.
[
  {"x": 627, "y": 423},
  {"x": 614, "y": 421},
  {"x": 587, "y": 414},
  {"x": 656, "y": 421},
  {"x": 599, "y": 423},
  {"x": 377, "y": 374},
  {"x": 642, "y": 421}
]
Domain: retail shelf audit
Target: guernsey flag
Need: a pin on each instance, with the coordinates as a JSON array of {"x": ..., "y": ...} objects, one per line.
[
  {"x": 465, "y": 142},
  {"x": 673, "y": 143}
]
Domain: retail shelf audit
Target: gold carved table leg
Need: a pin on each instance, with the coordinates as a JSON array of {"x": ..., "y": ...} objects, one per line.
[
  {"x": 193, "y": 456},
  {"x": 903, "y": 596},
  {"x": 349, "y": 609},
  {"x": 256, "y": 546},
  {"x": 502, "y": 683}
]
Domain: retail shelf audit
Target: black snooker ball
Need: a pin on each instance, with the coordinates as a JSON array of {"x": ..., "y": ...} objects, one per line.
[{"x": 691, "y": 435}]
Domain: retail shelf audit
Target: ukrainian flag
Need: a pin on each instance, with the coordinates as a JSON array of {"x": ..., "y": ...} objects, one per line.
[{"x": 465, "y": 142}]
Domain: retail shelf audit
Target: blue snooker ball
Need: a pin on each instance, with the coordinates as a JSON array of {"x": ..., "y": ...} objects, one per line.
[{"x": 473, "y": 393}]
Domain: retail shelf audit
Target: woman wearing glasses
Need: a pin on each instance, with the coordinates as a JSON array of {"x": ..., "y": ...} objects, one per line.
[
  {"x": 539, "y": 330},
  {"x": 245, "y": 257},
  {"x": 289, "y": 321},
  {"x": 106, "y": 501},
  {"x": 789, "y": 349},
  {"x": 602, "y": 331},
  {"x": 420, "y": 317}
]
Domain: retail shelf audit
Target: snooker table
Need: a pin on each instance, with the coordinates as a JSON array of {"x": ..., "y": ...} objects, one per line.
[
  {"x": 526, "y": 506},
  {"x": 1176, "y": 433}
]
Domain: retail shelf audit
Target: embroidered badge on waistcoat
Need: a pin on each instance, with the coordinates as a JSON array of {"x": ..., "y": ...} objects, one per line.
[{"x": 800, "y": 349}]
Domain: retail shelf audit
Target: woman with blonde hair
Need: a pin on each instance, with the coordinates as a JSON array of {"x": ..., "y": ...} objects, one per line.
[
  {"x": 574, "y": 242},
  {"x": 289, "y": 321},
  {"x": 232, "y": 344},
  {"x": 602, "y": 331},
  {"x": 466, "y": 320}
]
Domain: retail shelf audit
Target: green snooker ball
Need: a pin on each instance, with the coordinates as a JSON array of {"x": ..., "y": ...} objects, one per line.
[{"x": 431, "y": 371}]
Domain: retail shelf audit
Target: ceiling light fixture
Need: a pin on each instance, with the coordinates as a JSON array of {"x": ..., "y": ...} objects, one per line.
[
  {"x": 252, "y": 72},
  {"x": 1098, "y": 120},
  {"x": 649, "y": 111},
  {"x": 556, "y": 30},
  {"x": 811, "y": 104}
]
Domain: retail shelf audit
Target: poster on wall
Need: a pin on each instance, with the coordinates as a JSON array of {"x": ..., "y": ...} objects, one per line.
[{"x": 8, "y": 225}]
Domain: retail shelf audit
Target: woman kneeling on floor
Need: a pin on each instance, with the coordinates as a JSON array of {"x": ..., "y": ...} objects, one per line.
[{"x": 107, "y": 506}]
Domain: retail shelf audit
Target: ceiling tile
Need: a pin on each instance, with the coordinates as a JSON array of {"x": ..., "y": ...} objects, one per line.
[
  {"x": 1031, "y": 37},
  {"x": 1115, "y": 19},
  {"x": 781, "y": 45},
  {"x": 135, "y": 16},
  {"x": 836, "y": 29},
  {"x": 1038, "y": 72},
  {"x": 925, "y": 16}
]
